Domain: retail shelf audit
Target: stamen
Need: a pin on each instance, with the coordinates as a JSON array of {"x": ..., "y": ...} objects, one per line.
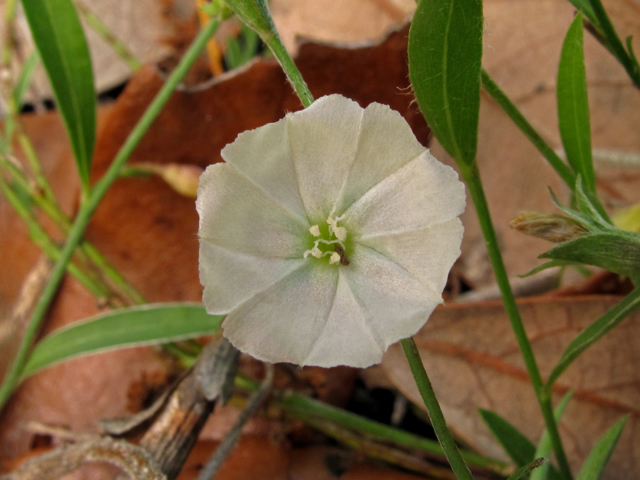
[
  {"x": 315, "y": 230},
  {"x": 335, "y": 258}
]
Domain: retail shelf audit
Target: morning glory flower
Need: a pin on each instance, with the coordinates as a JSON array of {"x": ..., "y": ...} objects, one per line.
[{"x": 328, "y": 235}]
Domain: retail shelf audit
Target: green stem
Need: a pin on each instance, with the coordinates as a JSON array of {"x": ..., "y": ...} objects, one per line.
[
  {"x": 89, "y": 206},
  {"x": 32, "y": 160},
  {"x": 108, "y": 36},
  {"x": 614, "y": 42},
  {"x": 304, "y": 407},
  {"x": 435, "y": 413},
  {"x": 523, "y": 124},
  {"x": 53, "y": 210},
  {"x": 471, "y": 175},
  {"x": 290, "y": 69},
  {"x": 42, "y": 239}
]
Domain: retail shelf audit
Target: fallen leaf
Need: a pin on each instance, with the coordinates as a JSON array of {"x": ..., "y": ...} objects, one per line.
[
  {"x": 352, "y": 21},
  {"x": 148, "y": 231},
  {"x": 473, "y": 360}
]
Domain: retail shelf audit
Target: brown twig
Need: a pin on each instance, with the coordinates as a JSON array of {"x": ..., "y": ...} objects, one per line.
[
  {"x": 133, "y": 460},
  {"x": 175, "y": 431}
]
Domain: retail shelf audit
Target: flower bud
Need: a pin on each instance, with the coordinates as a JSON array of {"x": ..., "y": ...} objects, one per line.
[
  {"x": 255, "y": 14},
  {"x": 182, "y": 178},
  {"x": 552, "y": 227}
]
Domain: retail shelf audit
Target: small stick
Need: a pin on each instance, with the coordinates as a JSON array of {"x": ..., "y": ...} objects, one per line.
[{"x": 226, "y": 446}]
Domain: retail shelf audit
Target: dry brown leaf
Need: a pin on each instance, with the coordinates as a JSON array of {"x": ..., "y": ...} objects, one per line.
[
  {"x": 259, "y": 457},
  {"x": 474, "y": 362},
  {"x": 347, "y": 21}
]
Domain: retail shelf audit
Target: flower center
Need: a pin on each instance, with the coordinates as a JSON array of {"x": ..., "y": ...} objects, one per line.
[{"x": 332, "y": 245}]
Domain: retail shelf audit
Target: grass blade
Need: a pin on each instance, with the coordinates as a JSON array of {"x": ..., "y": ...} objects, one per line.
[
  {"x": 599, "y": 456},
  {"x": 595, "y": 332},
  {"x": 547, "y": 471},
  {"x": 518, "y": 447},
  {"x": 150, "y": 324},
  {"x": 573, "y": 105},
  {"x": 445, "y": 54},
  {"x": 63, "y": 49}
]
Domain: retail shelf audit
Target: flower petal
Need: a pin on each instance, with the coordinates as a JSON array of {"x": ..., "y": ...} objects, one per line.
[
  {"x": 394, "y": 303},
  {"x": 426, "y": 254},
  {"x": 230, "y": 278},
  {"x": 377, "y": 303},
  {"x": 386, "y": 143},
  {"x": 239, "y": 216},
  {"x": 422, "y": 193},
  {"x": 323, "y": 140},
  {"x": 280, "y": 323},
  {"x": 263, "y": 156},
  {"x": 346, "y": 338}
]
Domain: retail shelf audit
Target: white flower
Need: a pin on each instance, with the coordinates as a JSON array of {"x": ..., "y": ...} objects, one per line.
[{"x": 328, "y": 235}]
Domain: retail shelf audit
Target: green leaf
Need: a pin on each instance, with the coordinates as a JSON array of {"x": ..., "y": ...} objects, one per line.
[
  {"x": 64, "y": 52},
  {"x": 616, "y": 250},
  {"x": 445, "y": 54},
  {"x": 545, "y": 266},
  {"x": 599, "y": 456},
  {"x": 585, "y": 7},
  {"x": 24, "y": 80},
  {"x": 151, "y": 324},
  {"x": 518, "y": 447},
  {"x": 548, "y": 471},
  {"x": 594, "y": 332},
  {"x": 255, "y": 14},
  {"x": 573, "y": 105}
]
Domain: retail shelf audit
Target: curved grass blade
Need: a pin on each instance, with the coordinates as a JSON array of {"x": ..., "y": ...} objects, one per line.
[
  {"x": 573, "y": 105},
  {"x": 445, "y": 54},
  {"x": 599, "y": 456},
  {"x": 63, "y": 49},
  {"x": 150, "y": 324},
  {"x": 594, "y": 332},
  {"x": 518, "y": 447},
  {"x": 547, "y": 471},
  {"x": 24, "y": 80}
]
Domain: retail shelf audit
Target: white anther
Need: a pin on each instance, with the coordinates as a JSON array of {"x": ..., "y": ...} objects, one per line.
[
  {"x": 340, "y": 233},
  {"x": 315, "y": 230},
  {"x": 334, "y": 258}
]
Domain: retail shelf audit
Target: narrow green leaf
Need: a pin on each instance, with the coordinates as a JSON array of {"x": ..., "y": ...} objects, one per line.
[
  {"x": 548, "y": 471},
  {"x": 599, "y": 456},
  {"x": 585, "y": 7},
  {"x": 545, "y": 266},
  {"x": 64, "y": 52},
  {"x": 573, "y": 105},
  {"x": 518, "y": 447},
  {"x": 254, "y": 13},
  {"x": 616, "y": 250},
  {"x": 445, "y": 54},
  {"x": 525, "y": 470},
  {"x": 595, "y": 332},
  {"x": 24, "y": 80},
  {"x": 150, "y": 324}
]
